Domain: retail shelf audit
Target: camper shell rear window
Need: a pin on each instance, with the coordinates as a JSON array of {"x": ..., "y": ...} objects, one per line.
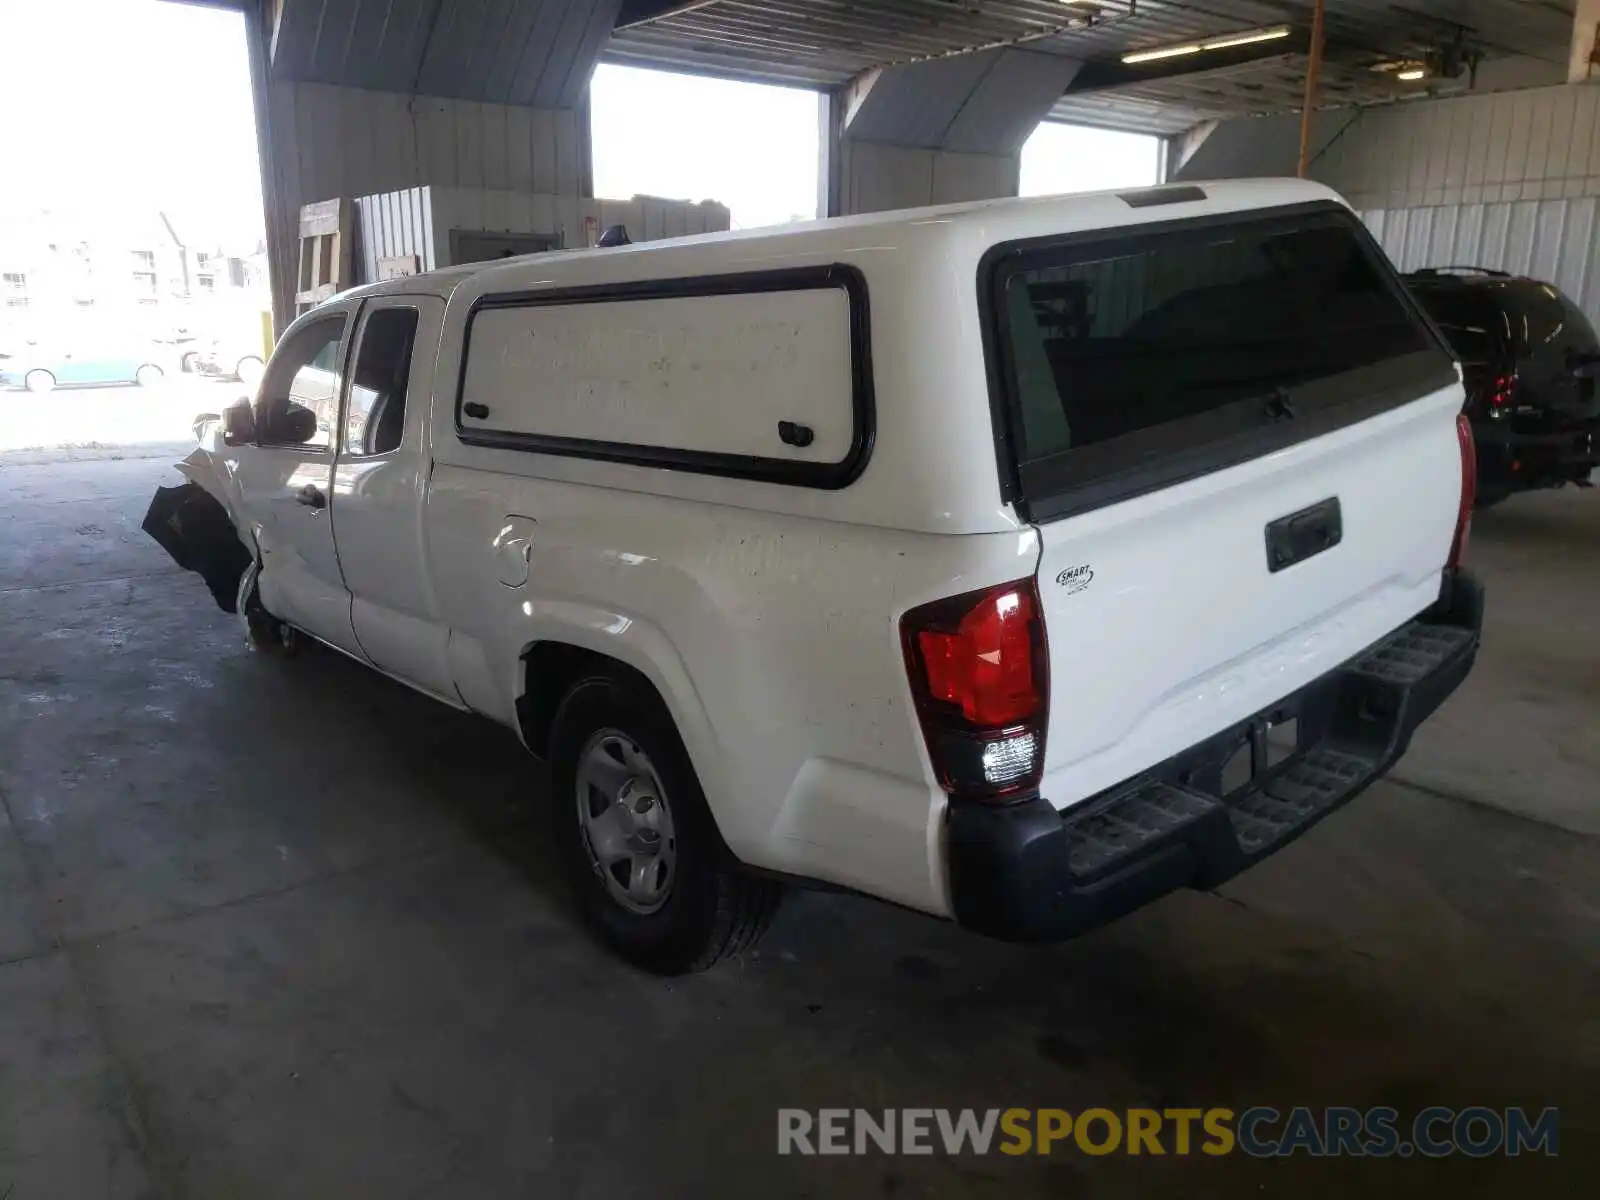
[{"x": 1124, "y": 361}]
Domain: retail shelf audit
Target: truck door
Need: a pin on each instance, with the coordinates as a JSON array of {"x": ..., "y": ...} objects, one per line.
[
  {"x": 380, "y": 481},
  {"x": 285, "y": 479}
]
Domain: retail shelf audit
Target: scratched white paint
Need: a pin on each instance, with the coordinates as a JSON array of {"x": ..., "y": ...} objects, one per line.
[{"x": 707, "y": 373}]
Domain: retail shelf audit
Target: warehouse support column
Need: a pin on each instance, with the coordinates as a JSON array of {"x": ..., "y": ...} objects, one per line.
[
  {"x": 1313, "y": 70},
  {"x": 935, "y": 132}
]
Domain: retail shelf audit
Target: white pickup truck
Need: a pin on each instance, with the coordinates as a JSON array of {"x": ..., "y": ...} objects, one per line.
[{"x": 1018, "y": 562}]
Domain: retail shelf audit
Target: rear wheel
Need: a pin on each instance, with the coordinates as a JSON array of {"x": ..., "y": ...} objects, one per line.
[
  {"x": 651, "y": 874},
  {"x": 39, "y": 381},
  {"x": 149, "y": 375},
  {"x": 249, "y": 369}
]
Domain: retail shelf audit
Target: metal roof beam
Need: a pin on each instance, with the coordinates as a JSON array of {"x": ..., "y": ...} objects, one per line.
[{"x": 642, "y": 12}]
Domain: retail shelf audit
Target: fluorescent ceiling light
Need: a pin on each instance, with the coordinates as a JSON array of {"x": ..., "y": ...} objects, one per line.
[
  {"x": 1246, "y": 38},
  {"x": 1164, "y": 52},
  {"x": 1411, "y": 74}
]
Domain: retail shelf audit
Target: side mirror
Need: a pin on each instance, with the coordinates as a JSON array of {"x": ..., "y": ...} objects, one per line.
[
  {"x": 296, "y": 426},
  {"x": 238, "y": 424}
]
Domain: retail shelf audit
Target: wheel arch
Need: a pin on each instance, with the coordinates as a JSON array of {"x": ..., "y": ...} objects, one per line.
[
  {"x": 548, "y": 667},
  {"x": 549, "y": 664}
]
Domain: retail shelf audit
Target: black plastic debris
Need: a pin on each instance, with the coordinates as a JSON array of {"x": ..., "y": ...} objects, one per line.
[{"x": 189, "y": 524}]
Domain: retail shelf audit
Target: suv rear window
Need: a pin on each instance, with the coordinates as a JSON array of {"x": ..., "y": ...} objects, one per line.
[
  {"x": 1130, "y": 360},
  {"x": 1469, "y": 315}
]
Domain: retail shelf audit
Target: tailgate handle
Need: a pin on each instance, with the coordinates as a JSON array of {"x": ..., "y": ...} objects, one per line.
[{"x": 1304, "y": 534}]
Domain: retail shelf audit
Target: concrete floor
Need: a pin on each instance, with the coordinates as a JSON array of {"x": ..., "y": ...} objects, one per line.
[{"x": 283, "y": 929}]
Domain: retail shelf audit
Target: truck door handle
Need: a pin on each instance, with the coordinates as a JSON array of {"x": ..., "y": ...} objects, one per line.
[
  {"x": 1304, "y": 534},
  {"x": 311, "y": 496}
]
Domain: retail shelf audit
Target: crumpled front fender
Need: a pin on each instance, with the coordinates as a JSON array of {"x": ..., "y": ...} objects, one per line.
[{"x": 198, "y": 522}]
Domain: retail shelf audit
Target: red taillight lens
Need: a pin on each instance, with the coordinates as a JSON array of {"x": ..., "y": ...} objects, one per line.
[
  {"x": 985, "y": 665},
  {"x": 1469, "y": 489},
  {"x": 1504, "y": 390},
  {"x": 979, "y": 673}
]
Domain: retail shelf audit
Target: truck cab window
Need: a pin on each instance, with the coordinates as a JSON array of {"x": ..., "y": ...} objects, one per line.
[
  {"x": 299, "y": 398},
  {"x": 378, "y": 388}
]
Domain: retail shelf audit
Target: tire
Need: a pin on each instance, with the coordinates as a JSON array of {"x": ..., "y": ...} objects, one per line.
[
  {"x": 262, "y": 630},
  {"x": 695, "y": 904},
  {"x": 186, "y": 364},
  {"x": 149, "y": 375},
  {"x": 249, "y": 369},
  {"x": 39, "y": 381}
]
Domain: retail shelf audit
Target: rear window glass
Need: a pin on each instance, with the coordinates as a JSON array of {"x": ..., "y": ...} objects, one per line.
[
  {"x": 1471, "y": 320},
  {"x": 1542, "y": 319},
  {"x": 1521, "y": 316},
  {"x": 1141, "y": 344},
  {"x": 1473, "y": 343}
]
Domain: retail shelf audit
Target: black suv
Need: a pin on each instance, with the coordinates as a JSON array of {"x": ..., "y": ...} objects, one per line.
[{"x": 1530, "y": 359}]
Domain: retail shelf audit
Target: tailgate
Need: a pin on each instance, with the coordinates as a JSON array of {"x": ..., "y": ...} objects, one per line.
[
  {"x": 1166, "y": 622},
  {"x": 1237, "y": 436}
]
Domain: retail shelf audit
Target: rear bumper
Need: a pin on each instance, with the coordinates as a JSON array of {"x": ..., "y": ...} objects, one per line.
[
  {"x": 1026, "y": 872},
  {"x": 1511, "y": 458}
]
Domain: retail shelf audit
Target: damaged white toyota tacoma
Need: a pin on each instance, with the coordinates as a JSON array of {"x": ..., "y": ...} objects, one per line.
[{"x": 1018, "y": 562}]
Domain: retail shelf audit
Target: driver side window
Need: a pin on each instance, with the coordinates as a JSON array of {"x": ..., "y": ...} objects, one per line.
[{"x": 298, "y": 404}]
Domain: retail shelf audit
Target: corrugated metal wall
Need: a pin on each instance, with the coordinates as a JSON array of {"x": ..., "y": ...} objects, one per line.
[
  {"x": 335, "y": 141},
  {"x": 419, "y": 220},
  {"x": 1509, "y": 181},
  {"x": 1539, "y": 144},
  {"x": 988, "y": 102},
  {"x": 1553, "y": 240},
  {"x": 390, "y": 224},
  {"x": 347, "y": 142},
  {"x": 532, "y": 52},
  {"x": 1506, "y": 180},
  {"x": 876, "y": 176}
]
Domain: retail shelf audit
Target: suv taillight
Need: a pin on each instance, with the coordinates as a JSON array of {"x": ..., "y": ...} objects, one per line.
[
  {"x": 1503, "y": 395},
  {"x": 1469, "y": 489},
  {"x": 980, "y": 675}
]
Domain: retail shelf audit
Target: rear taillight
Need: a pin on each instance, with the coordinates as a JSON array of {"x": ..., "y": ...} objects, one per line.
[
  {"x": 1469, "y": 489},
  {"x": 980, "y": 676},
  {"x": 1503, "y": 394}
]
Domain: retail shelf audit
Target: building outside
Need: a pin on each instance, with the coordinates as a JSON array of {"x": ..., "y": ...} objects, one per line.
[{"x": 75, "y": 276}]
